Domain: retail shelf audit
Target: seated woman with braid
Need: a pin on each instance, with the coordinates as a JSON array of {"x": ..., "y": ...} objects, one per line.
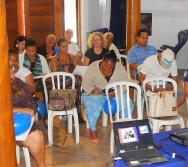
[
  {"x": 22, "y": 101},
  {"x": 95, "y": 78}
]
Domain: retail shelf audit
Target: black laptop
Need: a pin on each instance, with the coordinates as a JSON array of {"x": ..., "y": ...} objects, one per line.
[{"x": 135, "y": 143}]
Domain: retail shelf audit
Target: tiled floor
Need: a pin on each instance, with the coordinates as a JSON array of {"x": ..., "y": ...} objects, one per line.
[{"x": 86, "y": 153}]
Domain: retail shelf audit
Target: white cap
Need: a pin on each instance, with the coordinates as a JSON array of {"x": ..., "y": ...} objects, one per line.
[{"x": 167, "y": 58}]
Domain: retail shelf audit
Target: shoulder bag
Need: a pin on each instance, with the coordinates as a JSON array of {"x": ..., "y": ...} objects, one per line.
[
  {"x": 162, "y": 104},
  {"x": 62, "y": 99}
]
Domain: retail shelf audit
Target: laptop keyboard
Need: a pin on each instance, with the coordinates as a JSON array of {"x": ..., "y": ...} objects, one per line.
[{"x": 140, "y": 154}]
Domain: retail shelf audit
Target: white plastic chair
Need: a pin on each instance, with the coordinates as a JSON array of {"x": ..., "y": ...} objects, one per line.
[
  {"x": 167, "y": 122},
  {"x": 119, "y": 88},
  {"x": 26, "y": 155},
  {"x": 123, "y": 58},
  {"x": 58, "y": 82}
]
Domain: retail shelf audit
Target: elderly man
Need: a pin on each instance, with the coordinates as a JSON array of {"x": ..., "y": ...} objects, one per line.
[
  {"x": 161, "y": 65},
  {"x": 140, "y": 51},
  {"x": 73, "y": 48},
  {"x": 109, "y": 37}
]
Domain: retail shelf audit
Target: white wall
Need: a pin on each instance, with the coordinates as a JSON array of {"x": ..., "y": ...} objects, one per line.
[
  {"x": 95, "y": 14},
  {"x": 169, "y": 17}
]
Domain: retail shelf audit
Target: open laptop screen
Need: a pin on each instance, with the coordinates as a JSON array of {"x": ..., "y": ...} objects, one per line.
[{"x": 132, "y": 135}]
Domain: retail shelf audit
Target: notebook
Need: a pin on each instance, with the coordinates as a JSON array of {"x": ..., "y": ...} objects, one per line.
[{"x": 135, "y": 143}]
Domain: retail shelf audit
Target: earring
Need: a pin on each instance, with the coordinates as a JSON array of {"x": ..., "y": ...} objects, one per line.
[{"x": 16, "y": 45}]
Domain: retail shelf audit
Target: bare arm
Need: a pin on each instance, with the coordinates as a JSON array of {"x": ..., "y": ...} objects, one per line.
[
  {"x": 30, "y": 83},
  {"x": 53, "y": 65},
  {"x": 76, "y": 60},
  {"x": 141, "y": 79},
  {"x": 186, "y": 88},
  {"x": 86, "y": 61},
  {"x": 26, "y": 110},
  {"x": 133, "y": 66},
  {"x": 79, "y": 54}
]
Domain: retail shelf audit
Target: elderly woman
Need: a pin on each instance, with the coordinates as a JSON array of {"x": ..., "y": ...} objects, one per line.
[
  {"x": 21, "y": 72},
  {"x": 23, "y": 101},
  {"x": 95, "y": 78},
  {"x": 19, "y": 44},
  {"x": 96, "y": 49},
  {"x": 47, "y": 49}
]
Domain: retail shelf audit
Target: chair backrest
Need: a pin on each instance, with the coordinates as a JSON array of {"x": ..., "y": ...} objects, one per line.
[
  {"x": 119, "y": 89},
  {"x": 122, "y": 59},
  {"x": 57, "y": 80},
  {"x": 158, "y": 82}
]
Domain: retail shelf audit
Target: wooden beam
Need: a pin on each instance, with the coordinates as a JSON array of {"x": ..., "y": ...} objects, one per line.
[
  {"x": 21, "y": 17},
  {"x": 78, "y": 19},
  {"x": 27, "y": 18},
  {"x": 133, "y": 22},
  {"x": 59, "y": 18},
  {"x": 7, "y": 138}
]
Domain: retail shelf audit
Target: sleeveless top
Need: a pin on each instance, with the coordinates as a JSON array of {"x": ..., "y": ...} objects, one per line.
[{"x": 60, "y": 66}]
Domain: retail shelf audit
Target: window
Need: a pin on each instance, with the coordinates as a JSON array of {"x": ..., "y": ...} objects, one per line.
[{"x": 70, "y": 17}]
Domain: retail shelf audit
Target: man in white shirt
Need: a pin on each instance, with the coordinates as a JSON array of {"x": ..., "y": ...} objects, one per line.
[
  {"x": 73, "y": 48},
  {"x": 161, "y": 65},
  {"x": 109, "y": 37}
]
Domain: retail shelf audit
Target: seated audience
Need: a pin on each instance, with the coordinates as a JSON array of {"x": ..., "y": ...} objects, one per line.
[
  {"x": 22, "y": 101},
  {"x": 73, "y": 48},
  {"x": 109, "y": 37},
  {"x": 36, "y": 63},
  {"x": 95, "y": 78},
  {"x": 139, "y": 52},
  {"x": 21, "y": 72},
  {"x": 64, "y": 62},
  {"x": 47, "y": 49},
  {"x": 161, "y": 65},
  {"x": 185, "y": 80},
  {"x": 19, "y": 44},
  {"x": 96, "y": 49}
]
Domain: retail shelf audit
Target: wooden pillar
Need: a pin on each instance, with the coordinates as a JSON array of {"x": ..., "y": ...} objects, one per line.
[
  {"x": 7, "y": 138},
  {"x": 132, "y": 26},
  {"x": 21, "y": 17},
  {"x": 78, "y": 18},
  {"x": 133, "y": 22},
  {"x": 59, "y": 18}
]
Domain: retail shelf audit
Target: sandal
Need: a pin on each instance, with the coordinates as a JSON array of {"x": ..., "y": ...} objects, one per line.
[{"x": 94, "y": 140}]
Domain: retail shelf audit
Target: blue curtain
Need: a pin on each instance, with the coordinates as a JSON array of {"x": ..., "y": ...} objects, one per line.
[{"x": 118, "y": 22}]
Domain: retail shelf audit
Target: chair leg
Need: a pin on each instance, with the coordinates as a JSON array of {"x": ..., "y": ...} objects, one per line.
[
  {"x": 76, "y": 124},
  {"x": 27, "y": 157},
  {"x": 112, "y": 142},
  {"x": 18, "y": 154},
  {"x": 50, "y": 128},
  {"x": 87, "y": 124},
  {"x": 155, "y": 127},
  {"x": 104, "y": 118},
  {"x": 182, "y": 124},
  {"x": 69, "y": 123}
]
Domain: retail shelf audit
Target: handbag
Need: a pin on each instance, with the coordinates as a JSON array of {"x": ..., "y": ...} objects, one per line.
[
  {"x": 162, "y": 104},
  {"x": 62, "y": 99}
]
